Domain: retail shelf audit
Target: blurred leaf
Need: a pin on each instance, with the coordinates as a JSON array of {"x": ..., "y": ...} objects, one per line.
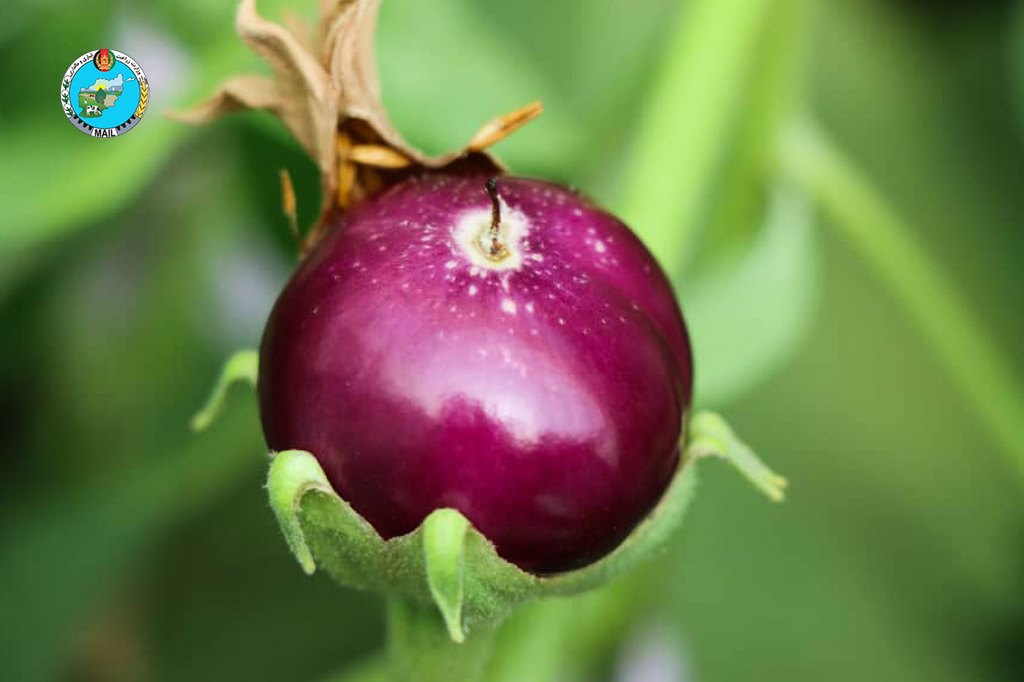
[
  {"x": 120, "y": 339},
  {"x": 749, "y": 316},
  {"x": 588, "y": 56},
  {"x": 876, "y": 229},
  {"x": 928, "y": 118},
  {"x": 59, "y": 554},
  {"x": 130, "y": 329},
  {"x": 438, "y": 97},
  {"x": 777, "y": 594},
  {"x": 55, "y": 186},
  {"x": 224, "y": 601},
  {"x": 1016, "y": 59},
  {"x": 60, "y": 182},
  {"x": 717, "y": 110},
  {"x": 374, "y": 669}
]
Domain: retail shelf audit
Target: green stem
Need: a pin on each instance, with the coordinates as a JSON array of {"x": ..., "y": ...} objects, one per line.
[
  {"x": 421, "y": 649},
  {"x": 775, "y": 90},
  {"x": 687, "y": 123},
  {"x": 875, "y": 228}
]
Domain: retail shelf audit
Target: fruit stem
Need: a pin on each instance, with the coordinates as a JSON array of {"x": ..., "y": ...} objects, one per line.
[
  {"x": 421, "y": 649},
  {"x": 497, "y": 249}
]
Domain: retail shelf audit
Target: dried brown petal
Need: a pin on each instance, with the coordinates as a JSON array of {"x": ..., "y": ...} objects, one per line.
[
  {"x": 238, "y": 93},
  {"x": 498, "y": 129},
  {"x": 379, "y": 156},
  {"x": 326, "y": 91}
]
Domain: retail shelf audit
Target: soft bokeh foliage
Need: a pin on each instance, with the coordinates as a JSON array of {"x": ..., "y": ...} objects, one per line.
[{"x": 131, "y": 549}]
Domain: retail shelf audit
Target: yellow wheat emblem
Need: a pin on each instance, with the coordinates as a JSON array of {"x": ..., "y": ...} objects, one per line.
[{"x": 143, "y": 98}]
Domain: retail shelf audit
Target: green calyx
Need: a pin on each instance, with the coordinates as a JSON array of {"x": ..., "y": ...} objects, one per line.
[
  {"x": 445, "y": 578},
  {"x": 447, "y": 562}
]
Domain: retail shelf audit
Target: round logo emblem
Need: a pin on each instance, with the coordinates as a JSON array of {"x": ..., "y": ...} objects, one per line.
[{"x": 104, "y": 93}]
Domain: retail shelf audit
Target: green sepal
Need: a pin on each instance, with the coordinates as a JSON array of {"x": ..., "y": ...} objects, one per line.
[
  {"x": 243, "y": 365},
  {"x": 293, "y": 474},
  {"x": 444, "y": 552},
  {"x": 446, "y": 561},
  {"x": 711, "y": 436}
]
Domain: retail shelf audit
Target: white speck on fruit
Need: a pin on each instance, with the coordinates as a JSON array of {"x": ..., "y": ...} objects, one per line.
[
  {"x": 509, "y": 306},
  {"x": 472, "y": 290},
  {"x": 529, "y": 307},
  {"x": 599, "y": 247}
]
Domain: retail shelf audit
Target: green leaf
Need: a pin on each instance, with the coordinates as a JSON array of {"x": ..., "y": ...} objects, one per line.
[
  {"x": 749, "y": 315},
  {"x": 33, "y": 217},
  {"x": 418, "y": 38}
]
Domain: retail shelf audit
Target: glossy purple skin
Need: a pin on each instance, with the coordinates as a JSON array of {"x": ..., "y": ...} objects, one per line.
[{"x": 544, "y": 403}]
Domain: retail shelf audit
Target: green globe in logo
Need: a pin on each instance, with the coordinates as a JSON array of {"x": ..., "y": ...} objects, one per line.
[{"x": 104, "y": 93}]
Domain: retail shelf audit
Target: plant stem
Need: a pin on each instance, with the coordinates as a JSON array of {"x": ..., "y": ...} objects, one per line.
[
  {"x": 422, "y": 651},
  {"x": 687, "y": 123},
  {"x": 775, "y": 90},
  {"x": 874, "y": 227}
]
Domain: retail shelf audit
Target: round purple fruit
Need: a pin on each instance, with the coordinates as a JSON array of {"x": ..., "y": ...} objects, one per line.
[{"x": 496, "y": 345}]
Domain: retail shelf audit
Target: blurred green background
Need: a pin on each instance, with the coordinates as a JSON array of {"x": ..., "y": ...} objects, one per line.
[{"x": 133, "y": 550}]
